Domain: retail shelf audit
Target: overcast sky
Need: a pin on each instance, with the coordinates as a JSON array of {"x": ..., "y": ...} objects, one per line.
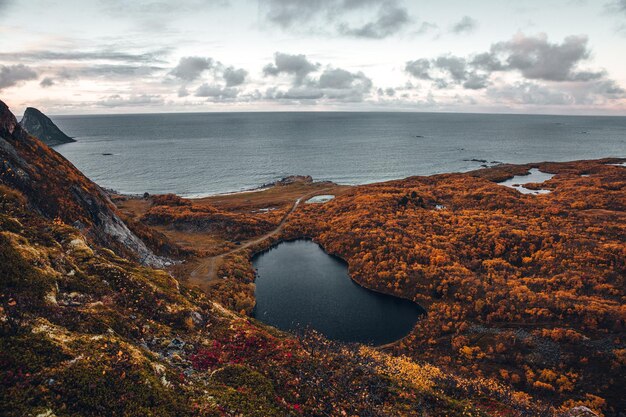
[{"x": 115, "y": 56}]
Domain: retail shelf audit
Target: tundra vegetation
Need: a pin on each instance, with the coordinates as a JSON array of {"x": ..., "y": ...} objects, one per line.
[{"x": 524, "y": 293}]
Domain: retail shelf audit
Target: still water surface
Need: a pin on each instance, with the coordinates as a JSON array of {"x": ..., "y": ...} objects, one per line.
[{"x": 300, "y": 286}]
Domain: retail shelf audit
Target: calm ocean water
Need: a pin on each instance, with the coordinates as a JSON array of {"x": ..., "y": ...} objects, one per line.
[{"x": 208, "y": 153}]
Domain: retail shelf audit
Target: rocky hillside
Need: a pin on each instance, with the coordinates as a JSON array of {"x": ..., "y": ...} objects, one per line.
[
  {"x": 56, "y": 189},
  {"x": 40, "y": 126},
  {"x": 86, "y": 333}
]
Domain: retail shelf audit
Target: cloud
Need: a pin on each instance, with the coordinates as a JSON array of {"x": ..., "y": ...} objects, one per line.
[
  {"x": 216, "y": 92},
  {"x": 150, "y": 11},
  {"x": 465, "y": 25},
  {"x": 532, "y": 57},
  {"x": 102, "y": 55},
  {"x": 105, "y": 70},
  {"x": 426, "y": 27},
  {"x": 618, "y": 6},
  {"x": 537, "y": 58},
  {"x": 47, "y": 82},
  {"x": 420, "y": 68},
  {"x": 296, "y": 65},
  {"x": 528, "y": 93},
  {"x": 452, "y": 65},
  {"x": 525, "y": 70},
  {"x": 190, "y": 68},
  {"x": 574, "y": 93},
  {"x": 11, "y": 75},
  {"x": 183, "y": 92},
  {"x": 286, "y": 13},
  {"x": 234, "y": 77},
  {"x": 117, "y": 100},
  {"x": 389, "y": 92},
  {"x": 390, "y": 20},
  {"x": 341, "y": 79},
  {"x": 388, "y": 16},
  {"x": 334, "y": 84}
]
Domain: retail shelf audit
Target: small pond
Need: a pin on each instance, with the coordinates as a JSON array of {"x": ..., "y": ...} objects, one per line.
[
  {"x": 535, "y": 176},
  {"x": 298, "y": 286},
  {"x": 318, "y": 199}
]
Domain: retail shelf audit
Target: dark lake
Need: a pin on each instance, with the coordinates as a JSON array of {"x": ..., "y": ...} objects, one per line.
[{"x": 298, "y": 285}]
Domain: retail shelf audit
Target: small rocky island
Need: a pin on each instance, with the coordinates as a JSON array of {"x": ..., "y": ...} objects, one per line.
[{"x": 39, "y": 125}]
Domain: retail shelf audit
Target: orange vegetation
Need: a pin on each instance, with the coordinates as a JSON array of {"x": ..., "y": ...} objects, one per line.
[
  {"x": 522, "y": 289},
  {"x": 527, "y": 289}
]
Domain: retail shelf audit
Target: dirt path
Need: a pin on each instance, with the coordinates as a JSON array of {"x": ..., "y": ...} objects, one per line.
[{"x": 207, "y": 268}]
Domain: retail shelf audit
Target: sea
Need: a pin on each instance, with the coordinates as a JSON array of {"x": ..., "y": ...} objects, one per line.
[{"x": 201, "y": 154}]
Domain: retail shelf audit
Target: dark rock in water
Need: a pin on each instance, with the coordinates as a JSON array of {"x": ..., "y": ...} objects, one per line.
[{"x": 39, "y": 125}]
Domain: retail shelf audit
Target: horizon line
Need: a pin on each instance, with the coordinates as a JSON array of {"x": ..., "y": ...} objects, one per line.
[{"x": 486, "y": 113}]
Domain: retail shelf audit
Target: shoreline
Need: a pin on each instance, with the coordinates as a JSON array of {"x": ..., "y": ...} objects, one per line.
[{"x": 610, "y": 160}]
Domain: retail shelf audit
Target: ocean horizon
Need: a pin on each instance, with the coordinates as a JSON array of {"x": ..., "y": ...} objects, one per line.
[{"x": 201, "y": 154}]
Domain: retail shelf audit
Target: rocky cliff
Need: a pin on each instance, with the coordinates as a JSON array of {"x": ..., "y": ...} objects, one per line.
[
  {"x": 57, "y": 190},
  {"x": 40, "y": 126}
]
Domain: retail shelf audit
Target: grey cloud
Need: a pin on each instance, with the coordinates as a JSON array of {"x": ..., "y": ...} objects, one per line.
[
  {"x": 11, "y": 75},
  {"x": 104, "y": 55},
  {"x": 476, "y": 81},
  {"x": 390, "y": 20},
  {"x": 388, "y": 16},
  {"x": 596, "y": 91},
  {"x": 216, "y": 92},
  {"x": 529, "y": 93},
  {"x": 191, "y": 67},
  {"x": 571, "y": 93},
  {"x": 534, "y": 57},
  {"x": 297, "y": 65},
  {"x": 420, "y": 68},
  {"x": 465, "y": 25},
  {"x": 183, "y": 92},
  {"x": 339, "y": 79},
  {"x": 234, "y": 77},
  {"x": 106, "y": 70},
  {"x": 453, "y": 65},
  {"x": 426, "y": 27},
  {"x": 537, "y": 58},
  {"x": 285, "y": 13},
  {"x": 47, "y": 82},
  {"x": 117, "y": 100},
  {"x": 389, "y": 92},
  {"x": 617, "y": 6},
  {"x": 141, "y": 8},
  {"x": 487, "y": 61},
  {"x": 333, "y": 84}
]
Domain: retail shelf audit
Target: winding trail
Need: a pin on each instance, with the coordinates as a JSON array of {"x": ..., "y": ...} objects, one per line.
[{"x": 207, "y": 268}]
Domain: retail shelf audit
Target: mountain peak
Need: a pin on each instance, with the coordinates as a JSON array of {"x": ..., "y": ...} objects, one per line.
[
  {"x": 8, "y": 122},
  {"x": 56, "y": 189},
  {"x": 39, "y": 125}
]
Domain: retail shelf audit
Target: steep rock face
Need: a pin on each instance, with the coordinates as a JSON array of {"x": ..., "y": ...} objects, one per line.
[
  {"x": 40, "y": 126},
  {"x": 56, "y": 189}
]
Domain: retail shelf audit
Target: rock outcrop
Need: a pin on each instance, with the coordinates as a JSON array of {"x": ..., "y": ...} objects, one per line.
[
  {"x": 580, "y": 411},
  {"x": 40, "y": 126},
  {"x": 58, "y": 190}
]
